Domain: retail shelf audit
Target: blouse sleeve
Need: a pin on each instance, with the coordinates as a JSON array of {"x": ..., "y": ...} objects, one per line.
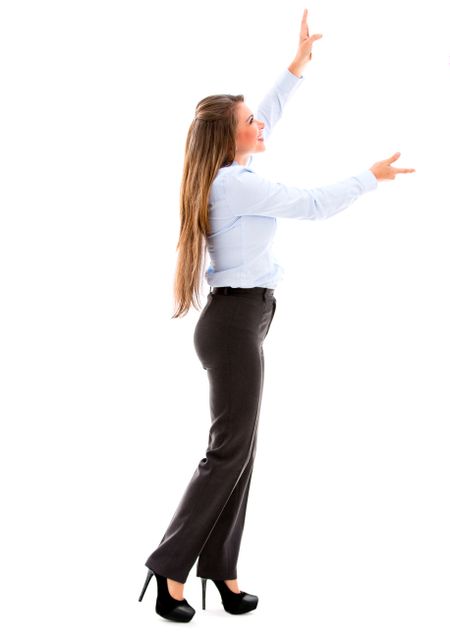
[
  {"x": 271, "y": 107},
  {"x": 247, "y": 193}
]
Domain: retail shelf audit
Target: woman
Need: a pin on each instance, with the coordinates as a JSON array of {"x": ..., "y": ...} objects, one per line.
[{"x": 228, "y": 208}]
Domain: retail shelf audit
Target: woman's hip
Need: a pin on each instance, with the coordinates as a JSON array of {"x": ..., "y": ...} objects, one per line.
[{"x": 233, "y": 325}]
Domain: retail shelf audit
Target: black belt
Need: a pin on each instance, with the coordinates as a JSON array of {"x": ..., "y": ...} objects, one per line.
[{"x": 256, "y": 291}]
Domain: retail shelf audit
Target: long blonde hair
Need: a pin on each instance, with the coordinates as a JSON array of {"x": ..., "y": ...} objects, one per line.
[{"x": 210, "y": 145}]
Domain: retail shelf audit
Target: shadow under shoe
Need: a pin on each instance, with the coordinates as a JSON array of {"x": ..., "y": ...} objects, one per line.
[
  {"x": 167, "y": 606},
  {"x": 232, "y": 603}
]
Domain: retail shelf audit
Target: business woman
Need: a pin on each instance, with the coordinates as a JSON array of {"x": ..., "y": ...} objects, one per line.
[{"x": 230, "y": 211}]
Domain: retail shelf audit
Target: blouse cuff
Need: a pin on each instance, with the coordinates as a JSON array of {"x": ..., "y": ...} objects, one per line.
[
  {"x": 289, "y": 81},
  {"x": 368, "y": 180}
]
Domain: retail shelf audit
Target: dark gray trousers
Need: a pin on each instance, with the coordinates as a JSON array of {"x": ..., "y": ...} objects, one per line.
[{"x": 209, "y": 520}]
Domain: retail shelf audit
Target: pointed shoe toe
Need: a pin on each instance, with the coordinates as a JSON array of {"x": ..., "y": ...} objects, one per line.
[
  {"x": 247, "y": 602},
  {"x": 181, "y": 612}
]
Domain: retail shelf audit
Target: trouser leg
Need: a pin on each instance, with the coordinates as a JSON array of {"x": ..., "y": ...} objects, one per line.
[
  {"x": 233, "y": 362},
  {"x": 228, "y": 340},
  {"x": 219, "y": 556}
]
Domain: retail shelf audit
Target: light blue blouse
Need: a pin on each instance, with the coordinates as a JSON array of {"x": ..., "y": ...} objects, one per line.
[{"x": 244, "y": 207}]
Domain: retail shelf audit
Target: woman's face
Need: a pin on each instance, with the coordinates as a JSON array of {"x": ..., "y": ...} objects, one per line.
[{"x": 249, "y": 135}]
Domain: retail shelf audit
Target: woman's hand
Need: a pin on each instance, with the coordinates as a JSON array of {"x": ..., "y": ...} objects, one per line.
[
  {"x": 383, "y": 170},
  {"x": 304, "y": 53}
]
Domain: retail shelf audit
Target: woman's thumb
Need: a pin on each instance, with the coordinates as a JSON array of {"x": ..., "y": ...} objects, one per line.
[{"x": 393, "y": 157}]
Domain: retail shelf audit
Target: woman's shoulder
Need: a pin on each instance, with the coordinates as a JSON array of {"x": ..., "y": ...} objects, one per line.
[
  {"x": 232, "y": 172},
  {"x": 228, "y": 174}
]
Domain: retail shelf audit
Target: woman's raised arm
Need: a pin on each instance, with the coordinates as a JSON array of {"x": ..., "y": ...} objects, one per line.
[{"x": 270, "y": 109}]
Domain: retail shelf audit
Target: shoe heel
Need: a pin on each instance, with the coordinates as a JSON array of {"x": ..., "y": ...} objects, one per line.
[
  {"x": 147, "y": 580},
  {"x": 204, "y": 592}
]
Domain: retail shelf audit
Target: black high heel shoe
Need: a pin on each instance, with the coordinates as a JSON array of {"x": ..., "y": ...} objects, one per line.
[
  {"x": 233, "y": 603},
  {"x": 166, "y": 605}
]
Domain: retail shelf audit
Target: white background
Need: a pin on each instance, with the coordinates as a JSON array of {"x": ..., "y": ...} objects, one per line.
[{"x": 104, "y": 404}]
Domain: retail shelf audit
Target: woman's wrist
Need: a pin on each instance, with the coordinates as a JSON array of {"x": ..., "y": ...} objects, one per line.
[{"x": 296, "y": 68}]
